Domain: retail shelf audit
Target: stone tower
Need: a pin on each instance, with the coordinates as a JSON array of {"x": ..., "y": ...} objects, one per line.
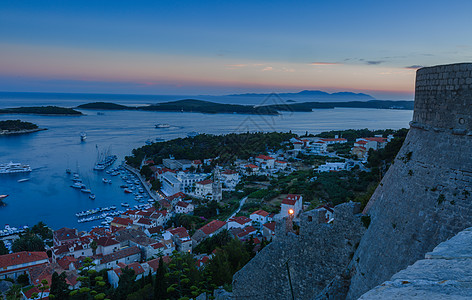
[
  {"x": 426, "y": 195},
  {"x": 216, "y": 185}
]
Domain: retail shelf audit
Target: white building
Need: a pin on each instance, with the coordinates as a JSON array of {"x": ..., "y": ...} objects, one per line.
[
  {"x": 230, "y": 178},
  {"x": 239, "y": 222},
  {"x": 291, "y": 202},
  {"x": 204, "y": 188},
  {"x": 332, "y": 167},
  {"x": 182, "y": 207},
  {"x": 265, "y": 162},
  {"x": 259, "y": 217},
  {"x": 319, "y": 147}
]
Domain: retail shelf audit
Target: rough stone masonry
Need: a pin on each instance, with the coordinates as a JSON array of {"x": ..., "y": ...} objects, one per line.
[
  {"x": 426, "y": 195},
  {"x": 302, "y": 264}
]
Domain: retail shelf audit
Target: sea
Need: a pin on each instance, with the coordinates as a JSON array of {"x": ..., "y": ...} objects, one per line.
[{"x": 47, "y": 194}]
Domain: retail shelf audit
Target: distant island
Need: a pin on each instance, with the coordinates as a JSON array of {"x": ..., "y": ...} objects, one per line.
[
  {"x": 41, "y": 110},
  {"x": 309, "y": 106},
  {"x": 315, "y": 95},
  {"x": 17, "y": 127},
  {"x": 187, "y": 105},
  {"x": 192, "y": 105}
]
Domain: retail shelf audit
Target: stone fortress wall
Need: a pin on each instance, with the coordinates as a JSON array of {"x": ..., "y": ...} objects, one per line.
[
  {"x": 424, "y": 199},
  {"x": 426, "y": 196},
  {"x": 313, "y": 258}
]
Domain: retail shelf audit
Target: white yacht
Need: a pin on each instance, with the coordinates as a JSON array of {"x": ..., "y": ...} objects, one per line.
[{"x": 12, "y": 167}]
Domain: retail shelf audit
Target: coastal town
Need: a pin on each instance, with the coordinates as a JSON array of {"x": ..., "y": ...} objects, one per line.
[{"x": 193, "y": 205}]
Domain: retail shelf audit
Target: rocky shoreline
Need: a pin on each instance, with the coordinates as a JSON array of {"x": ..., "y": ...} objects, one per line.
[{"x": 8, "y": 132}]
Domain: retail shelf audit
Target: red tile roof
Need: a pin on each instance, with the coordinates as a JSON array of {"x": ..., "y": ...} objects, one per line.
[
  {"x": 154, "y": 264},
  {"x": 251, "y": 166},
  {"x": 361, "y": 142},
  {"x": 155, "y": 229},
  {"x": 280, "y": 162},
  {"x": 265, "y": 157},
  {"x": 376, "y": 139},
  {"x": 106, "y": 241},
  {"x": 212, "y": 226},
  {"x": 229, "y": 172},
  {"x": 240, "y": 220},
  {"x": 289, "y": 201},
  {"x": 19, "y": 258},
  {"x": 270, "y": 226},
  {"x": 65, "y": 234},
  {"x": 181, "y": 232},
  {"x": 197, "y": 162},
  {"x": 182, "y": 204},
  {"x": 136, "y": 267},
  {"x": 164, "y": 203},
  {"x": 334, "y": 140},
  {"x": 66, "y": 261},
  {"x": 260, "y": 212},
  {"x": 246, "y": 231},
  {"x": 176, "y": 195},
  {"x": 144, "y": 221},
  {"x": 122, "y": 221},
  {"x": 120, "y": 254},
  {"x": 205, "y": 182}
]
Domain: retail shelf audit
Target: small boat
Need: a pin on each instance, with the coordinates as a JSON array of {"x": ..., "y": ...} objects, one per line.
[
  {"x": 128, "y": 191},
  {"x": 124, "y": 204},
  {"x": 162, "y": 125},
  {"x": 83, "y": 136},
  {"x": 23, "y": 180},
  {"x": 68, "y": 171},
  {"x": 3, "y": 197},
  {"x": 92, "y": 196},
  {"x": 105, "y": 180},
  {"x": 85, "y": 190},
  {"x": 123, "y": 186},
  {"x": 78, "y": 185}
]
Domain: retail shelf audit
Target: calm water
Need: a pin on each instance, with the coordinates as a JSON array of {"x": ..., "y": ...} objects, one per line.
[{"x": 48, "y": 197}]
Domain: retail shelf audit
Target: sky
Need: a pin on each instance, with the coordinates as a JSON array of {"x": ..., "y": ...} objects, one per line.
[{"x": 227, "y": 47}]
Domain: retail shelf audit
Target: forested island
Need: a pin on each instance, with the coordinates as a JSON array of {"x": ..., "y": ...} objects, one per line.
[
  {"x": 40, "y": 110},
  {"x": 17, "y": 127},
  {"x": 187, "y": 105},
  {"x": 192, "y": 105}
]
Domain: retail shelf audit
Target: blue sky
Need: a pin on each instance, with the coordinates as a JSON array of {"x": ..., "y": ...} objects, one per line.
[{"x": 219, "y": 47}]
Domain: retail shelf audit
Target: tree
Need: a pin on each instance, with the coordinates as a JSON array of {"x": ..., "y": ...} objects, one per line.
[
  {"x": 23, "y": 279},
  {"x": 126, "y": 285},
  {"x": 42, "y": 231},
  {"x": 94, "y": 246},
  {"x": 3, "y": 248},
  {"x": 92, "y": 282},
  {"x": 160, "y": 283},
  {"x": 28, "y": 242},
  {"x": 59, "y": 286}
]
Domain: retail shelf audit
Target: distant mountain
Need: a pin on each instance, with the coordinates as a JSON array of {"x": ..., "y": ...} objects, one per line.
[{"x": 315, "y": 95}]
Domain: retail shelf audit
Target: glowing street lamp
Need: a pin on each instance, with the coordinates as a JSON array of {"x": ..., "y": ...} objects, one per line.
[{"x": 291, "y": 212}]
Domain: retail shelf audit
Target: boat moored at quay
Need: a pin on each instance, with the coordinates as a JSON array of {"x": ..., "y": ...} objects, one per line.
[{"x": 106, "y": 162}]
